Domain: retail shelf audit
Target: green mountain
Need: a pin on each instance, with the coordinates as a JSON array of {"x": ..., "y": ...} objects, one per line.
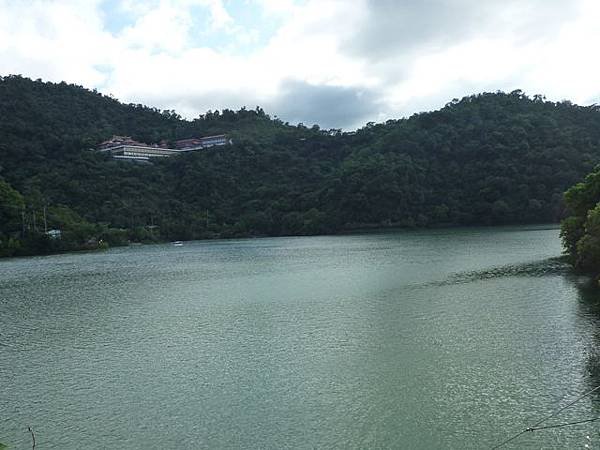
[{"x": 493, "y": 158}]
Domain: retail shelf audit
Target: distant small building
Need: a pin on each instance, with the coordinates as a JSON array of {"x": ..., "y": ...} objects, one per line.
[
  {"x": 54, "y": 234},
  {"x": 188, "y": 144},
  {"x": 140, "y": 152},
  {"x": 126, "y": 148},
  {"x": 117, "y": 141},
  {"x": 203, "y": 142}
]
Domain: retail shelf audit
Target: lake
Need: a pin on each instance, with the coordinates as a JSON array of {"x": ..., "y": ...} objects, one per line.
[{"x": 453, "y": 338}]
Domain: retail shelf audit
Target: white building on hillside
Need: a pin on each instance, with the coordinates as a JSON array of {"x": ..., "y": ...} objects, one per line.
[{"x": 124, "y": 147}]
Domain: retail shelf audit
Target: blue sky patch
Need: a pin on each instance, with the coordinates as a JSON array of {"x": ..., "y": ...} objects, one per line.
[{"x": 115, "y": 17}]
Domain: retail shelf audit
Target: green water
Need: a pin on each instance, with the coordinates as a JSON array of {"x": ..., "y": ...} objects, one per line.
[{"x": 436, "y": 339}]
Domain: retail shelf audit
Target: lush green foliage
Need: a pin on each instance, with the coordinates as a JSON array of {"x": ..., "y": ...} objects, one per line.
[
  {"x": 580, "y": 231},
  {"x": 486, "y": 159}
]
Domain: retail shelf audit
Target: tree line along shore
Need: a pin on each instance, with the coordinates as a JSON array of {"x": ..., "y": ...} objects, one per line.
[{"x": 487, "y": 159}]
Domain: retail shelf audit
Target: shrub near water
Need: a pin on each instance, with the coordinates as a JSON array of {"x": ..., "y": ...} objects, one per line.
[{"x": 580, "y": 232}]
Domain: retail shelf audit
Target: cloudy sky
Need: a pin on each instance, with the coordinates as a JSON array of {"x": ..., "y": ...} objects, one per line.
[{"x": 337, "y": 63}]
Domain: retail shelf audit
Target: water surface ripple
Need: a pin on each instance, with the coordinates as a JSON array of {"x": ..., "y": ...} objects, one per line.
[{"x": 430, "y": 339}]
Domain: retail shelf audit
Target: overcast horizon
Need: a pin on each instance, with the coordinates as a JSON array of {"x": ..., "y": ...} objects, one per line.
[{"x": 339, "y": 64}]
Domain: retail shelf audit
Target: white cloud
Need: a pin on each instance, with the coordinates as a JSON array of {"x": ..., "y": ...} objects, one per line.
[
  {"x": 307, "y": 47},
  {"x": 277, "y": 7},
  {"x": 164, "y": 28},
  {"x": 53, "y": 40},
  {"x": 389, "y": 58},
  {"x": 220, "y": 18},
  {"x": 566, "y": 67}
]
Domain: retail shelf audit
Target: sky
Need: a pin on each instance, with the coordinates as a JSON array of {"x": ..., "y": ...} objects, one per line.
[{"x": 335, "y": 63}]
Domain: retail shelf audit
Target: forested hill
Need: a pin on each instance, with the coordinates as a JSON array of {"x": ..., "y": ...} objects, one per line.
[{"x": 493, "y": 158}]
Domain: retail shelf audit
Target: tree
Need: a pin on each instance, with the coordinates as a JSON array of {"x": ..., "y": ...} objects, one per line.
[
  {"x": 11, "y": 208},
  {"x": 580, "y": 231}
]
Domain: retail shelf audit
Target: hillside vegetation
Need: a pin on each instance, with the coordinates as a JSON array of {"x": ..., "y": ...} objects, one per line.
[{"x": 493, "y": 158}]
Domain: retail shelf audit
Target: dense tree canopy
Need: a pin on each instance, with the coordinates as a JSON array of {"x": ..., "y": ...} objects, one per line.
[
  {"x": 493, "y": 158},
  {"x": 581, "y": 230}
]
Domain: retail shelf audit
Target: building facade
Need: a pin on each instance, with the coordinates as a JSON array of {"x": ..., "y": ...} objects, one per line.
[
  {"x": 203, "y": 142},
  {"x": 126, "y": 148}
]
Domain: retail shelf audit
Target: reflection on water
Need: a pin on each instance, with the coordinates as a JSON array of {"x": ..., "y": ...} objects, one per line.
[
  {"x": 589, "y": 314},
  {"x": 435, "y": 339},
  {"x": 540, "y": 268}
]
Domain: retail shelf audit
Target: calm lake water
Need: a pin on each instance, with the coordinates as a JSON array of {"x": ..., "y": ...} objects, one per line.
[{"x": 435, "y": 339}]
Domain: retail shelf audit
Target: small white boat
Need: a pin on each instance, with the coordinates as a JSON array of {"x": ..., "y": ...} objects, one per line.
[{"x": 177, "y": 243}]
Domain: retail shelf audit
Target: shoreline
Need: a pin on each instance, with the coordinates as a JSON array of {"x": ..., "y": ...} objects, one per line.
[{"x": 346, "y": 232}]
